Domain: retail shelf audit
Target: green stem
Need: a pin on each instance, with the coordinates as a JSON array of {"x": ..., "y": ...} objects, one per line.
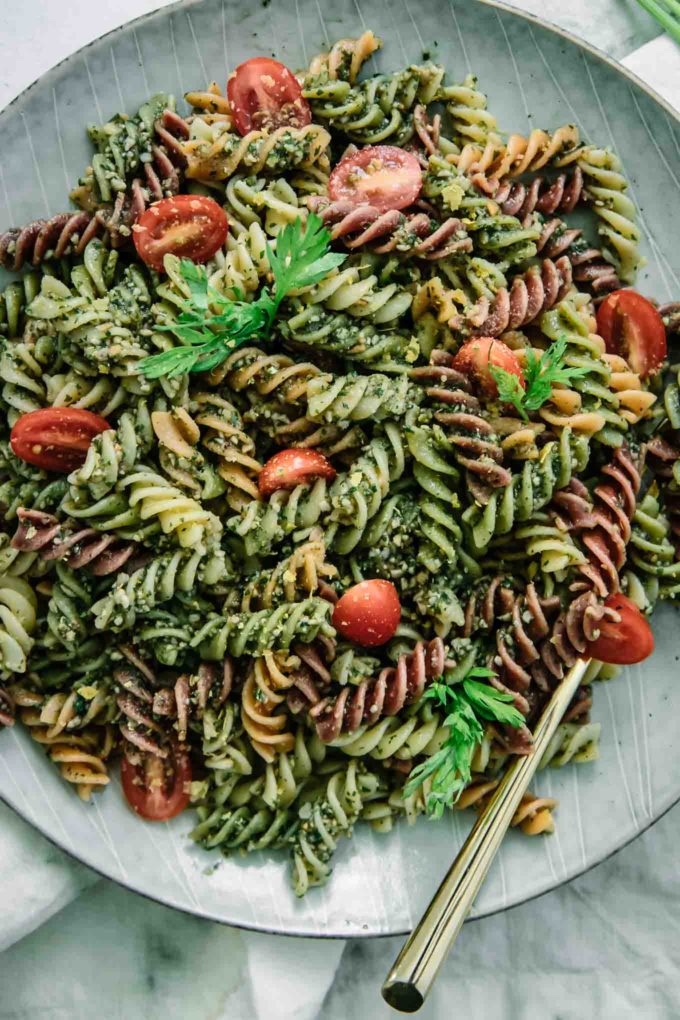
[{"x": 668, "y": 19}]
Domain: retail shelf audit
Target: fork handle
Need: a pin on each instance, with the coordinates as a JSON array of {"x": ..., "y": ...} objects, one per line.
[{"x": 416, "y": 967}]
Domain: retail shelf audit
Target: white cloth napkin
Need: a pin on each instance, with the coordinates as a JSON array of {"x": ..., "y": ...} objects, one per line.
[
  {"x": 280, "y": 978},
  {"x": 286, "y": 977},
  {"x": 38, "y": 879}
]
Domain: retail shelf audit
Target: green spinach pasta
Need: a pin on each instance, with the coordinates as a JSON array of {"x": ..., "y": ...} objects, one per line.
[{"x": 328, "y": 443}]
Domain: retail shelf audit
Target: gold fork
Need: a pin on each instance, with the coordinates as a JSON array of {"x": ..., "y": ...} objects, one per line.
[{"x": 416, "y": 967}]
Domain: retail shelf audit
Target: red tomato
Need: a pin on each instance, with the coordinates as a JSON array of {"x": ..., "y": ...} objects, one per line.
[
  {"x": 368, "y": 613},
  {"x": 475, "y": 358},
  {"x": 56, "y": 438},
  {"x": 189, "y": 226},
  {"x": 159, "y": 788},
  {"x": 631, "y": 326},
  {"x": 379, "y": 175},
  {"x": 293, "y": 467},
  {"x": 264, "y": 95},
  {"x": 626, "y": 641}
]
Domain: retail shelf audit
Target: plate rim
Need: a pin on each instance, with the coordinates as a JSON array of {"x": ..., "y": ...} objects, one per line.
[{"x": 360, "y": 933}]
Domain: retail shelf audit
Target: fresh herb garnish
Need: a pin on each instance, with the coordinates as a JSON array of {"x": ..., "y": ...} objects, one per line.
[
  {"x": 540, "y": 375},
  {"x": 301, "y": 258},
  {"x": 466, "y": 704}
]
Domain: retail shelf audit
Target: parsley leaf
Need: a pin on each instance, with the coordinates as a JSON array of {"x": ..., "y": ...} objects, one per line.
[
  {"x": 208, "y": 337},
  {"x": 493, "y": 705},
  {"x": 301, "y": 258},
  {"x": 509, "y": 389},
  {"x": 467, "y": 705},
  {"x": 540, "y": 375}
]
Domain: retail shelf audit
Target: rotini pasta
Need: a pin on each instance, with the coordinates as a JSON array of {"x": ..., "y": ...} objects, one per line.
[{"x": 290, "y": 520}]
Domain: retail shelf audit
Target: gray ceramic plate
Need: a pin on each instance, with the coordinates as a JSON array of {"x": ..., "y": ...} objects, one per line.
[{"x": 535, "y": 76}]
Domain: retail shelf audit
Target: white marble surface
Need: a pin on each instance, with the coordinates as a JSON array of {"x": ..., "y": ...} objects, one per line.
[{"x": 607, "y": 945}]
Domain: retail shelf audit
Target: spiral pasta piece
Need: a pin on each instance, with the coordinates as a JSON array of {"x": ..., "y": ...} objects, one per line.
[
  {"x": 546, "y": 538},
  {"x": 654, "y": 562},
  {"x": 140, "y": 712},
  {"x": 81, "y": 755},
  {"x": 178, "y": 435},
  {"x": 227, "y": 753},
  {"x": 590, "y": 404},
  {"x": 157, "y": 581},
  {"x": 603, "y": 521},
  {"x": 14, "y": 299},
  {"x": 263, "y": 705},
  {"x": 375, "y": 110},
  {"x": 605, "y": 188},
  {"x": 530, "y": 294},
  {"x": 336, "y": 399},
  {"x": 494, "y": 235},
  {"x": 663, "y": 458},
  {"x": 345, "y": 58},
  {"x": 264, "y": 524},
  {"x": 535, "y": 642},
  {"x": 100, "y": 324},
  {"x": 331, "y": 814},
  {"x": 213, "y": 152},
  {"x": 350, "y": 290},
  {"x": 522, "y": 154},
  {"x": 393, "y": 231},
  {"x": 266, "y": 375},
  {"x": 23, "y": 368},
  {"x": 382, "y": 695},
  {"x": 18, "y": 617},
  {"x": 101, "y": 554},
  {"x": 473, "y": 441},
  {"x": 528, "y": 491},
  {"x": 180, "y": 516},
  {"x": 577, "y": 742},
  {"x": 539, "y": 201},
  {"x": 396, "y": 738},
  {"x": 533, "y": 816},
  {"x": 67, "y": 233},
  {"x": 262, "y": 631},
  {"x": 466, "y": 105},
  {"x": 356, "y": 495},
  {"x": 547, "y": 196},
  {"x": 139, "y": 160},
  {"x": 357, "y": 341},
  {"x": 71, "y": 389},
  {"x": 302, "y": 574},
  {"x": 227, "y": 439},
  {"x": 7, "y": 707}
]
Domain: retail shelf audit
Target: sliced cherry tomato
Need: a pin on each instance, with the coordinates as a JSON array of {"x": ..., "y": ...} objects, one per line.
[
  {"x": 379, "y": 175},
  {"x": 368, "y": 613},
  {"x": 625, "y": 641},
  {"x": 56, "y": 438},
  {"x": 264, "y": 95},
  {"x": 293, "y": 467},
  {"x": 158, "y": 789},
  {"x": 189, "y": 226},
  {"x": 631, "y": 326},
  {"x": 476, "y": 357}
]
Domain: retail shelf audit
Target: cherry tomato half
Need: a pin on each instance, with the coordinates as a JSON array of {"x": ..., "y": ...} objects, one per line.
[
  {"x": 379, "y": 175},
  {"x": 624, "y": 642},
  {"x": 476, "y": 357},
  {"x": 293, "y": 467},
  {"x": 264, "y": 95},
  {"x": 631, "y": 326},
  {"x": 56, "y": 438},
  {"x": 158, "y": 789},
  {"x": 189, "y": 226},
  {"x": 368, "y": 613}
]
